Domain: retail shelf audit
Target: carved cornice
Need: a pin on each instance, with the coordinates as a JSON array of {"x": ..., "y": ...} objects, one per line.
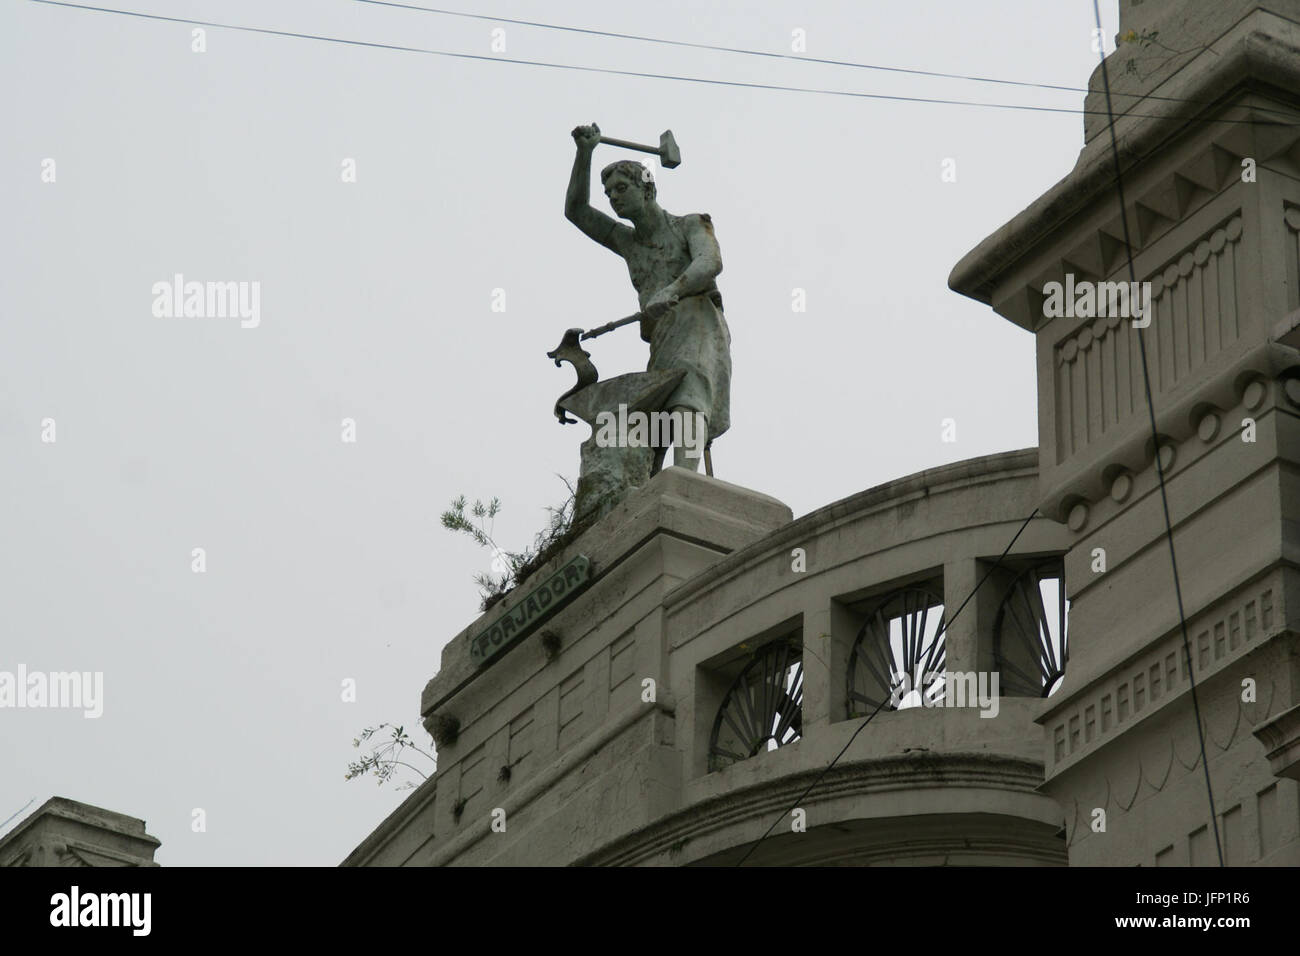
[
  {"x": 1241, "y": 384},
  {"x": 1081, "y": 722},
  {"x": 1256, "y": 60},
  {"x": 1281, "y": 737}
]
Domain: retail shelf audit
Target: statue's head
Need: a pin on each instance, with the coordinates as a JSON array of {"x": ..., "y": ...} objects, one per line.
[{"x": 629, "y": 186}]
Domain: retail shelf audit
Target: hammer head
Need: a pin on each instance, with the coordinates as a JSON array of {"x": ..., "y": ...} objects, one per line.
[{"x": 669, "y": 154}]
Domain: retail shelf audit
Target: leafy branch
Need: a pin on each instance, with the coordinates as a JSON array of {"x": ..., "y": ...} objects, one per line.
[
  {"x": 1148, "y": 39},
  {"x": 385, "y": 758},
  {"x": 510, "y": 568}
]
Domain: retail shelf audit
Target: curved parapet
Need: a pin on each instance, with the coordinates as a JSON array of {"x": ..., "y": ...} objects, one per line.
[
  {"x": 918, "y": 808},
  {"x": 721, "y": 658}
]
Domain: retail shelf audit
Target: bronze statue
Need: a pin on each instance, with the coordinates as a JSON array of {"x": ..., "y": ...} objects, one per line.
[{"x": 673, "y": 262}]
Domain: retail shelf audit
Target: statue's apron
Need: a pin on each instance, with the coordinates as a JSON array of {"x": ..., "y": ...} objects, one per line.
[{"x": 693, "y": 336}]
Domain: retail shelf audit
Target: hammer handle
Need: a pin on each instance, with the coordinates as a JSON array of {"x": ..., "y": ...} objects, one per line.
[
  {"x": 626, "y": 145},
  {"x": 611, "y": 326}
]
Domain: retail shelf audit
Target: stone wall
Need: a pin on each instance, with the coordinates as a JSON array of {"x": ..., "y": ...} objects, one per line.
[
  {"x": 65, "y": 832},
  {"x": 692, "y": 578}
]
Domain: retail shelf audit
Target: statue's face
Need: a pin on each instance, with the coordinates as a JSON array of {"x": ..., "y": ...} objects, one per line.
[{"x": 626, "y": 195}]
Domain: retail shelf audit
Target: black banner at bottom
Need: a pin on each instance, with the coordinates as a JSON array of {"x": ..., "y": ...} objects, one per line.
[{"x": 138, "y": 906}]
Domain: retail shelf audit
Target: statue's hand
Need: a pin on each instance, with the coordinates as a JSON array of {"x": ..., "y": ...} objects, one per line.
[
  {"x": 659, "y": 303},
  {"x": 586, "y": 136}
]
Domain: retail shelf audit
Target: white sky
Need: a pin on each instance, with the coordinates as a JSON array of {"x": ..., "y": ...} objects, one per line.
[{"x": 325, "y": 560}]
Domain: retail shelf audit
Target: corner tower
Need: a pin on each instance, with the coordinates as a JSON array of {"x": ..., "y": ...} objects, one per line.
[{"x": 1206, "y": 104}]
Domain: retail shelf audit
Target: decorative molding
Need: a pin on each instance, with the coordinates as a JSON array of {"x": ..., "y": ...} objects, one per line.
[
  {"x": 1281, "y": 737},
  {"x": 755, "y": 805},
  {"x": 1194, "y": 317},
  {"x": 1151, "y": 680},
  {"x": 1245, "y": 381},
  {"x": 71, "y": 856},
  {"x": 1153, "y": 764}
]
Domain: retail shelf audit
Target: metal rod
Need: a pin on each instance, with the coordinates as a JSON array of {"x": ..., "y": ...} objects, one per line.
[
  {"x": 611, "y": 326},
  {"x": 640, "y": 147}
]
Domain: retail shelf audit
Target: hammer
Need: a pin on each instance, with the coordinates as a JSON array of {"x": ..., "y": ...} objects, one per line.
[{"x": 669, "y": 155}]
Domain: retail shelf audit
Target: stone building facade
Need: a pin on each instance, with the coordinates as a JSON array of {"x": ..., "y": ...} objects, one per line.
[
  {"x": 616, "y": 725},
  {"x": 64, "y": 832}
]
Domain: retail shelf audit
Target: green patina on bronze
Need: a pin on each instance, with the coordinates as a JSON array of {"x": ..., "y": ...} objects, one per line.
[
  {"x": 673, "y": 262},
  {"x": 530, "y": 610}
]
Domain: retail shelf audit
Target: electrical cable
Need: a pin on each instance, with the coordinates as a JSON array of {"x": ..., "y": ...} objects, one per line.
[
  {"x": 788, "y": 56},
  {"x": 947, "y": 621},
  {"x": 1160, "y": 471},
  {"x": 609, "y": 71}
]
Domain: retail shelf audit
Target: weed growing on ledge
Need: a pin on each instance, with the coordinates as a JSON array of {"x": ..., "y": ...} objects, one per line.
[
  {"x": 511, "y": 568},
  {"x": 444, "y": 729},
  {"x": 385, "y": 758}
]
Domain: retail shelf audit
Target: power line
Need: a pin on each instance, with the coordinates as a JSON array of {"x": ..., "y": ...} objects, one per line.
[
  {"x": 786, "y": 56},
  {"x": 1160, "y": 470},
  {"x": 20, "y": 810},
  {"x": 942, "y": 630},
  {"x": 606, "y": 70}
]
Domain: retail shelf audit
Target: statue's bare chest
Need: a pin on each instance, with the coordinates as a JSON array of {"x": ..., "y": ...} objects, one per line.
[{"x": 655, "y": 262}]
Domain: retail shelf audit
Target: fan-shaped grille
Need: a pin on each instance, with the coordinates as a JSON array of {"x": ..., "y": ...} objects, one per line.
[
  {"x": 898, "y": 658},
  {"x": 1030, "y": 644},
  {"x": 763, "y": 709}
]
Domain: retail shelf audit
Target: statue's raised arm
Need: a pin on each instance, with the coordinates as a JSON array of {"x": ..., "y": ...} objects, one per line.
[{"x": 577, "y": 199}]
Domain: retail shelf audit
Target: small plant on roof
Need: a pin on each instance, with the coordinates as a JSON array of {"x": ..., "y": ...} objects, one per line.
[
  {"x": 444, "y": 729},
  {"x": 510, "y": 568}
]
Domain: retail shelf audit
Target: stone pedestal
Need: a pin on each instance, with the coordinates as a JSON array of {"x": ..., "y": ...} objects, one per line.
[{"x": 571, "y": 737}]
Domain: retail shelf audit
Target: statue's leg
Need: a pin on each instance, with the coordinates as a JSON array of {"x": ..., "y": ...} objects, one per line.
[{"x": 689, "y": 441}]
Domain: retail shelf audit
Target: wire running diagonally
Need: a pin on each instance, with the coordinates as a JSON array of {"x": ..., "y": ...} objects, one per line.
[{"x": 947, "y": 621}]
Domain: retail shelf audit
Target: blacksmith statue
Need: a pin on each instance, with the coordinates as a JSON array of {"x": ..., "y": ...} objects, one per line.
[{"x": 673, "y": 262}]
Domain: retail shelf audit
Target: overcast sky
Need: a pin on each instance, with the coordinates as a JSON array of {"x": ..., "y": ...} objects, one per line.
[{"x": 325, "y": 560}]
